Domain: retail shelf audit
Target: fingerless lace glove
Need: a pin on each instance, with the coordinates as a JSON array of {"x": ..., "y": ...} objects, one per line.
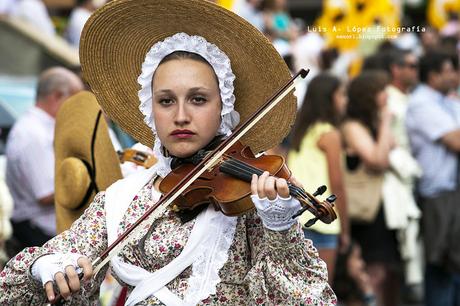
[
  {"x": 45, "y": 267},
  {"x": 277, "y": 214}
]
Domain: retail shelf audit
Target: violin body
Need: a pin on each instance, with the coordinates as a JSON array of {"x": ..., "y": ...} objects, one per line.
[
  {"x": 227, "y": 193},
  {"x": 226, "y": 186}
]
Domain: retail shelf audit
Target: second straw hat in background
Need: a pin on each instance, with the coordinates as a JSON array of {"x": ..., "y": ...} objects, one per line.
[{"x": 85, "y": 157}]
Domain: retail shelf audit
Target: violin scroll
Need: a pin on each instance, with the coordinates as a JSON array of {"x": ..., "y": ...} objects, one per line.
[{"x": 322, "y": 210}]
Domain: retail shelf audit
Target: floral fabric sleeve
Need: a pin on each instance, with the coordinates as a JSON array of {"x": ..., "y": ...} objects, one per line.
[
  {"x": 87, "y": 236},
  {"x": 286, "y": 268}
]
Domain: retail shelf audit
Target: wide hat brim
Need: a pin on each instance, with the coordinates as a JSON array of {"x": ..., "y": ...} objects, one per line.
[
  {"x": 117, "y": 37},
  {"x": 75, "y": 123}
]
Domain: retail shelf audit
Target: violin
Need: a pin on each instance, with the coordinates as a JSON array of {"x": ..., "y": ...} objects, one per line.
[
  {"x": 138, "y": 157},
  {"x": 225, "y": 185}
]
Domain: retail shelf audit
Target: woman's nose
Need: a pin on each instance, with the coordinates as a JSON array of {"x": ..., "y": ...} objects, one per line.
[{"x": 182, "y": 114}]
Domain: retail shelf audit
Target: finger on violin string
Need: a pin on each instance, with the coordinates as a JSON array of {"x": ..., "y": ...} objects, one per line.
[
  {"x": 261, "y": 185},
  {"x": 254, "y": 182},
  {"x": 270, "y": 188},
  {"x": 295, "y": 182},
  {"x": 282, "y": 187}
]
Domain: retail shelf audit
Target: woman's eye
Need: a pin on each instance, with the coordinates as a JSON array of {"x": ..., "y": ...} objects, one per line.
[
  {"x": 199, "y": 100},
  {"x": 165, "y": 101}
]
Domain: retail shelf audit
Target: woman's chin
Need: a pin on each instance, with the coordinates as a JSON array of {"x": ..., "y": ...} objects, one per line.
[{"x": 182, "y": 152}]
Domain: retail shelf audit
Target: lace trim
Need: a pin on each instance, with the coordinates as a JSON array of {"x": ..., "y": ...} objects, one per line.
[
  {"x": 222, "y": 68},
  {"x": 213, "y": 255}
]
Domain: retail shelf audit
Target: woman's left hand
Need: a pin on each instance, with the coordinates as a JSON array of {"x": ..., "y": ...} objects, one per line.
[{"x": 274, "y": 205}]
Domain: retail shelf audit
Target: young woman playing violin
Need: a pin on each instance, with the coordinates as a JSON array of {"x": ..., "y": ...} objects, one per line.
[{"x": 189, "y": 93}]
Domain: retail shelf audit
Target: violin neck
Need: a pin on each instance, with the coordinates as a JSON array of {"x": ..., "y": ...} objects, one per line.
[{"x": 244, "y": 171}]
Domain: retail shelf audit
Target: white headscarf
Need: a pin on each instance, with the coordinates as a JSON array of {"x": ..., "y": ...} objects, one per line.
[{"x": 218, "y": 60}]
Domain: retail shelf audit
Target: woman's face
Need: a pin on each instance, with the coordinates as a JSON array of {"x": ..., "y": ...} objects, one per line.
[
  {"x": 340, "y": 101},
  {"x": 186, "y": 105}
]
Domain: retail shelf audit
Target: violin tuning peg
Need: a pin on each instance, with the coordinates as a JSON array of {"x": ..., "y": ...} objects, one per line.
[
  {"x": 311, "y": 222},
  {"x": 331, "y": 198},
  {"x": 321, "y": 189},
  {"x": 299, "y": 212}
]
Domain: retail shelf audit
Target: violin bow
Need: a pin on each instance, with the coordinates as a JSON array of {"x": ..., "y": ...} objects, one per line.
[{"x": 208, "y": 161}]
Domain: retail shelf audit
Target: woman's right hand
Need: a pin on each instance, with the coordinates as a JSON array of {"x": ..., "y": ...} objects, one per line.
[{"x": 62, "y": 270}]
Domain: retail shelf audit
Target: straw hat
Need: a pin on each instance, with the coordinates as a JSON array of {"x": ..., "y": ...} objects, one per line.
[
  {"x": 79, "y": 173},
  {"x": 117, "y": 37}
]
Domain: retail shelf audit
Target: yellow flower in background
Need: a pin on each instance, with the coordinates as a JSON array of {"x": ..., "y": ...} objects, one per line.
[
  {"x": 438, "y": 11},
  {"x": 228, "y": 4},
  {"x": 345, "y": 22}
]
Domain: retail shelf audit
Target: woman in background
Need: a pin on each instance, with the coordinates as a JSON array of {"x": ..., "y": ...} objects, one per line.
[
  {"x": 315, "y": 159},
  {"x": 368, "y": 141}
]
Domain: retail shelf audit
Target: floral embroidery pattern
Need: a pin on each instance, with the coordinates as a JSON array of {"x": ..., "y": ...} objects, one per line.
[{"x": 263, "y": 267}]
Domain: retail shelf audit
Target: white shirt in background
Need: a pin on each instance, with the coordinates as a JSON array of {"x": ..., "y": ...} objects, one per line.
[
  {"x": 7, "y": 6},
  {"x": 77, "y": 21},
  {"x": 30, "y": 168},
  {"x": 35, "y": 13}
]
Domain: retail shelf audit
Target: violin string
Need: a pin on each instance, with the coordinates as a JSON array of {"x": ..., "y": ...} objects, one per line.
[
  {"x": 297, "y": 189},
  {"x": 241, "y": 166},
  {"x": 235, "y": 164},
  {"x": 238, "y": 165}
]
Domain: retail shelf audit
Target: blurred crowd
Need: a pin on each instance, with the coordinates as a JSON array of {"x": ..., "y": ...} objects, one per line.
[{"x": 378, "y": 123}]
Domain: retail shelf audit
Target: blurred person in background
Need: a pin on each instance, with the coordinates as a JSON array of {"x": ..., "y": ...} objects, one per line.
[
  {"x": 401, "y": 211},
  {"x": 35, "y": 13},
  {"x": 433, "y": 124},
  {"x": 368, "y": 142},
  {"x": 429, "y": 39},
  {"x": 6, "y": 6},
  {"x": 277, "y": 19},
  {"x": 78, "y": 18},
  {"x": 306, "y": 52},
  {"x": 315, "y": 159},
  {"x": 351, "y": 281},
  {"x": 6, "y": 208},
  {"x": 30, "y": 159},
  {"x": 250, "y": 10}
]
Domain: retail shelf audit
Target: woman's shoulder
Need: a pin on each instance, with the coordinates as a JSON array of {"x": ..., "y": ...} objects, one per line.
[
  {"x": 324, "y": 127},
  {"x": 352, "y": 127},
  {"x": 318, "y": 129}
]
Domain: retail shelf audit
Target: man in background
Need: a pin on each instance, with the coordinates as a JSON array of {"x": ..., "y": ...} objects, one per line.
[
  {"x": 433, "y": 124},
  {"x": 30, "y": 159},
  {"x": 400, "y": 206}
]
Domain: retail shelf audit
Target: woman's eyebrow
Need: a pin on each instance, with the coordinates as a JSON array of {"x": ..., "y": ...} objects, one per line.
[
  {"x": 161, "y": 91},
  {"x": 195, "y": 89}
]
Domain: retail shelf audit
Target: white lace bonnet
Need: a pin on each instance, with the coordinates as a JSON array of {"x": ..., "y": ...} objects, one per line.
[{"x": 222, "y": 68}]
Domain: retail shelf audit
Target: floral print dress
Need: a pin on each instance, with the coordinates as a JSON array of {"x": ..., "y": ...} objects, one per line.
[{"x": 263, "y": 267}]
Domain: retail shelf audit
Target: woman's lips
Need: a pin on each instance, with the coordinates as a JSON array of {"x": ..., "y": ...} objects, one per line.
[{"x": 182, "y": 134}]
